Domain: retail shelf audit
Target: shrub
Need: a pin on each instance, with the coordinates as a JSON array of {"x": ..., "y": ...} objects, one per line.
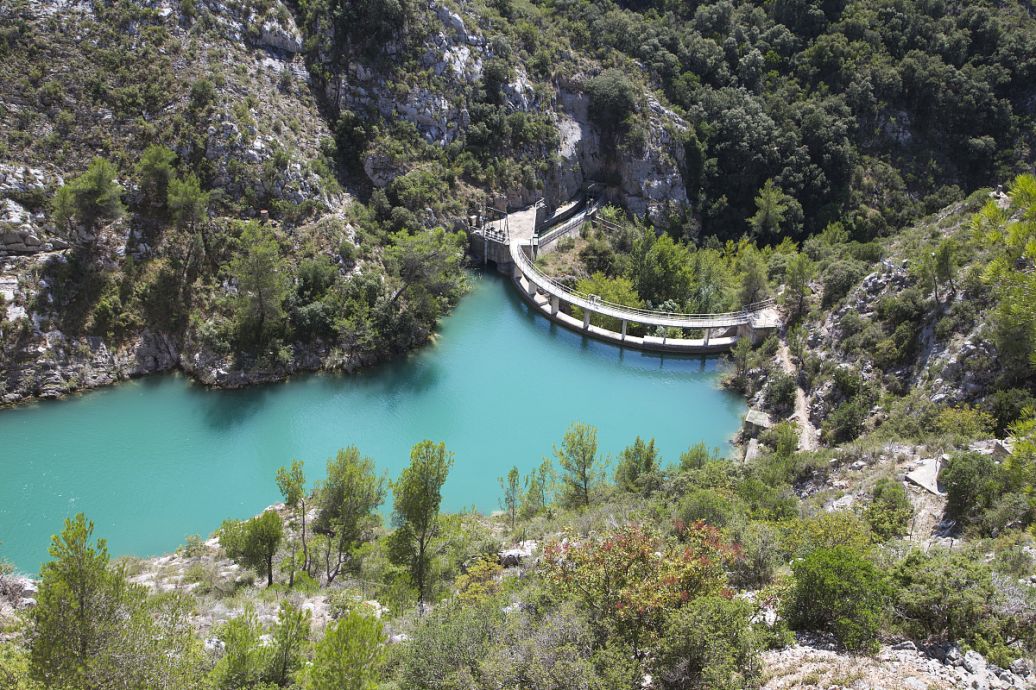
[
  {"x": 349, "y": 656},
  {"x": 846, "y": 422},
  {"x": 907, "y": 306},
  {"x": 448, "y": 646},
  {"x": 973, "y": 482},
  {"x": 841, "y": 528},
  {"x": 942, "y": 593},
  {"x": 848, "y": 381},
  {"x": 709, "y": 643},
  {"x": 758, "y": 555},
  {"x": 784, "y": 437},
  {"x": 890, "y": 510},
  {"x": 837, "y": 590},
  {"x": 1006, "y": 406},
  {"x": 788, "y": 468},
  {"x": 964, "y": 422},
  {"x": 628, "y": 580},
  {"x": 838, "y": 279},
  {"x": 708, "y": 506},
  {"x": 613, "y": 98},
  {"x": 780, "y": 392}
]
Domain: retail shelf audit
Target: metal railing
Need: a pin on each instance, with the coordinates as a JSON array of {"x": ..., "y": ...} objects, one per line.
[
  {"x": 632, "y": 314},
  {"x": 555, "y": 233}
]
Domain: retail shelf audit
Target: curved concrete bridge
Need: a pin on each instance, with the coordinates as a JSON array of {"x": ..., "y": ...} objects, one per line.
[
  {"x": 513, "y": 246},
  {"x": 719, "y": 331}
]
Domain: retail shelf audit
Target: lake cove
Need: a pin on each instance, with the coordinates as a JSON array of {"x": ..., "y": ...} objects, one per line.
[{"x": 154, "y": 460}]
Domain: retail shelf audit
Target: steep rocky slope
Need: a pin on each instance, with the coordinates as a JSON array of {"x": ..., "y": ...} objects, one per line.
[{"x": 269, "y": 110}]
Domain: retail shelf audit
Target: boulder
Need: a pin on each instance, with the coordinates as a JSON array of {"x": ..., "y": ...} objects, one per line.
[
  {"x": 280, "y": 37},
  {"x": 974, "y": 662},
  {"x": 1021, "y": 667}
]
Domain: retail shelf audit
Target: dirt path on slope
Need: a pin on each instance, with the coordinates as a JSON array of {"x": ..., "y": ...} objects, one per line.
[{"x": 808, "y": 436}]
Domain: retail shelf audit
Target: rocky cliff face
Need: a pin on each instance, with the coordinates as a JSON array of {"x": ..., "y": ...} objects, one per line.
[
  {"x": 452, "y": 56},
  {"x": 237, "y": 89}
]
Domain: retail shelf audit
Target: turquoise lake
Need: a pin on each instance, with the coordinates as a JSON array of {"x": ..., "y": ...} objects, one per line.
[{"x": 154, "y": 460}]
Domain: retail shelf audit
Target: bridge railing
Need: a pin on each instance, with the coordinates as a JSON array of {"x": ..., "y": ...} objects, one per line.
[
  {"x": 492, "y": 232},
  {"x": 567, "y": 226},
  {"x": 593, "y": 302}
]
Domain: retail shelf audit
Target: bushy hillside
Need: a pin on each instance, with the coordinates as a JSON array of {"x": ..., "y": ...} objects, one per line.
[
  {"x": 349, "y": 122},
  {"x": 894, "y": 550}
]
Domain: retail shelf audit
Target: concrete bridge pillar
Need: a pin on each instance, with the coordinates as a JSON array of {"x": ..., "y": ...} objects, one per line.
[
  {"x": 530, "y": 286},
  {"x": 624, "y": 329},
  {"x": 745, "y": 330},
  {"x": 555, "y": 305},
  {"x": 586, "y": 319},
  {"x": 708, "y": 332}
]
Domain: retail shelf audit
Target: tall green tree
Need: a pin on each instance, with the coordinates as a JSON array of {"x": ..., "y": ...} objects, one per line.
[
  {"x": 92, "y": 629},
  {"x": 289, "y": 644},
  {"x": 427, "y": 267},
  {"x": 253, "y": 543},
  {"x": 350, "y": 656},
  {"x": 582, "y": 469},
  {"x": 799, "y": 273},
  {"x": 617, "y": 290},
  {"x": 263, "y": 283},
  {"x": 79, "y": 606},
  {"x": 511, "y": 487},
  {"x": 89, "y": 198},
  {"x": 741, "y": 353},
  {"x": 638, "y": 467},
  {"x": 245, "y": 657},
  {"x": 773, "y": 212},
  {"x": 186, "y": 201},
  {"x": 754, "y": 284},
  {"x": 538, "y": 490},
  {"x": 154, "y": 172},
  {"x": 292, "y": 484},
  {"x": 417, "y": 496},
  {"x": 664, "y": 271},
  {"x": 348, "y": 499},
  {"x": 946, "y": 264}
]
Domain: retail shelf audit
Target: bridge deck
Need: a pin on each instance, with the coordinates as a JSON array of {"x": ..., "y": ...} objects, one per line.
[{"x": 761, "y": 315}]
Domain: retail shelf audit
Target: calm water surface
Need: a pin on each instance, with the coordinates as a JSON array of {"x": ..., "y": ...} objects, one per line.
[{"x": 154, "y": 460}]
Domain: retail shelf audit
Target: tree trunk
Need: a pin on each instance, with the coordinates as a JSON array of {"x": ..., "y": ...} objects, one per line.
[
  {"x": 421, "y": 547},
  {"x": 269, "y": 570},
  {"x": 305, "y": 549}
]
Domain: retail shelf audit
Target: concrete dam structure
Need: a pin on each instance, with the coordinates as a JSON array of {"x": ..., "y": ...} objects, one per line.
[{"x": 513, "y": 241}]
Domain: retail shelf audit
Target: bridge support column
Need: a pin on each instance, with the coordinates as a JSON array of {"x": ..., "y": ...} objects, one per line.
[
  {"x": 708, "y": 332},
  {"x": 624, "y": 329},
  {"x": 586, "y": 319},
  {"x": 555, "y": 305},
  {"x": 745, "y": 330},
  {"x": 530, "y": 287}
]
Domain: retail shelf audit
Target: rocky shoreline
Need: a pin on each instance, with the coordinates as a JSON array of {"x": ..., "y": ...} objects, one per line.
[{"x": 63, "y": 367}]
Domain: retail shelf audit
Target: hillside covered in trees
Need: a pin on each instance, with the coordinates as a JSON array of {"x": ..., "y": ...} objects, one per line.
[
  {"x": 250, "y": 188},
  {"x": 811, "y": 561},
  {"x": 143, "y": 140}
]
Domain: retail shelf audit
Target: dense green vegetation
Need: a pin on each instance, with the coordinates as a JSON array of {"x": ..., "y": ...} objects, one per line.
[
  {"x": 817, "y": 131},
  {"x": 603, "y": 604},
  {"x": 808, "y": 112},
  {"x": 371, "y": 296}
]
